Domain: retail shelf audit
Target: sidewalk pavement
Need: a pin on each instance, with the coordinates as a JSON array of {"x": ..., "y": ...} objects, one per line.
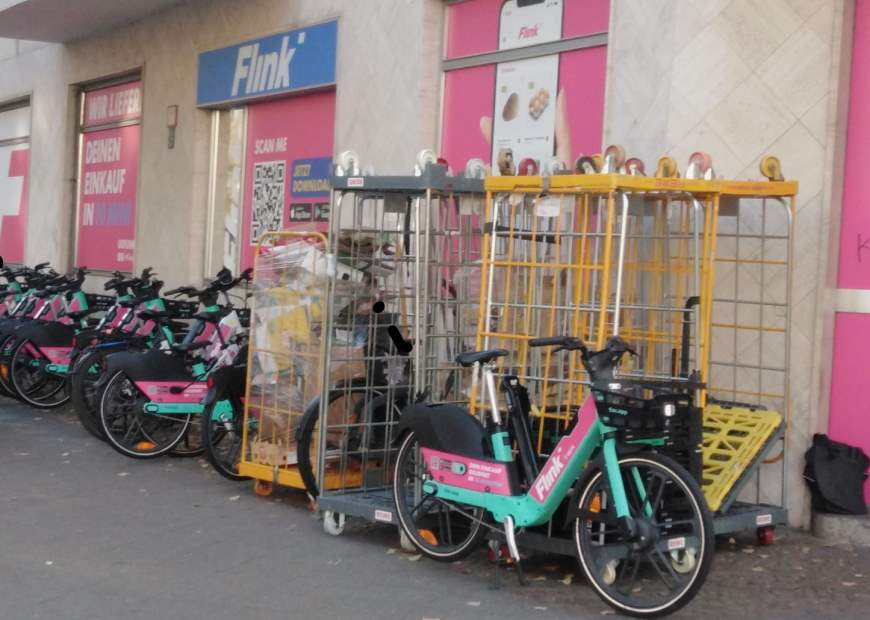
[{"x": 86, "y": 533}]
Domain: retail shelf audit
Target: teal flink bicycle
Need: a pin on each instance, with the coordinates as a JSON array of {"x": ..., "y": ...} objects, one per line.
[{"x": 641, "y": 526}]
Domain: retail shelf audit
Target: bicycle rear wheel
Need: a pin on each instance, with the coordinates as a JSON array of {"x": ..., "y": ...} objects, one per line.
[
  {"x": 32, "y": 382},
  {"x": 660, "y": 568},
  {"x": 442, "y": 530},
  {"x": 130, "y": 430}
]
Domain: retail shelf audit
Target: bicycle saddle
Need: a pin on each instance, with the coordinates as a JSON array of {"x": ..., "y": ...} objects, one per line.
[{"x": 472, "y": 357}]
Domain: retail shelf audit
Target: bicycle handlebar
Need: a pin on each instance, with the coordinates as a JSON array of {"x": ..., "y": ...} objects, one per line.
[{"x": 599, "y": 364}]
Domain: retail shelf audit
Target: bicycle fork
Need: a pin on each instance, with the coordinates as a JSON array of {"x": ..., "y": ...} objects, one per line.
[{"x": 625, "y": 522}]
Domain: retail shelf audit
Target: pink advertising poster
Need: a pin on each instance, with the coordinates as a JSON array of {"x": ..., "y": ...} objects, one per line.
[
  {"x": 535, "y": 108},
  {"x": 288, "y": 162},
  {"x": 109, "y": 169},
  {"x": 14, "y": 168},
  {"x": 107, "y": 199},
  {"x": 113, "y": 104}
]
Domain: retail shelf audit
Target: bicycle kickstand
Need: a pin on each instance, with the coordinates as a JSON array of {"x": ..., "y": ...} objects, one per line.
[{"x": 511, "y": 538}]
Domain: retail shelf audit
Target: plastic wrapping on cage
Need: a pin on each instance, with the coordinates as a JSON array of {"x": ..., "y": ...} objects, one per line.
[{"x": 291, "y": 280}]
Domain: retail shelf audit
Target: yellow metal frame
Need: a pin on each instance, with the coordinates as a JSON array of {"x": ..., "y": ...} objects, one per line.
[
  {"x": 265, "y": 474},
  {"x": 583, "y": 189},
  {"x": 733, "y": 439}
]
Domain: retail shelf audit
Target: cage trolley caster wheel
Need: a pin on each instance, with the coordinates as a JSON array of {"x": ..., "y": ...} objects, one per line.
[
  {"x": 765, "y": 535},
  {"x": 333, "y": 522},
  {"x": 263, "y": 488}
]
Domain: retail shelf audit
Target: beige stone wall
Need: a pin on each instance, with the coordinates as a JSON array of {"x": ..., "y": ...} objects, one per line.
[
  {"x": 741, "y": 79},
  {"x": 387, "y": 71}
]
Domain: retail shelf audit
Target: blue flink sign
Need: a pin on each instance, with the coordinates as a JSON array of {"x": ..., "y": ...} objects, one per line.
[{"x": 296, "y": 60}]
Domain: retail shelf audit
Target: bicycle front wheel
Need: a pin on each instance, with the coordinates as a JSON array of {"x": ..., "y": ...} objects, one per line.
[
  {"x": 662, "y": 565},
  {"x": 222, "y": 438}
]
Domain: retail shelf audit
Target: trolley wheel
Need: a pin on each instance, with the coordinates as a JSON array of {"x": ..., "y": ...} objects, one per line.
[
  {"x": 684, "y": 561},
  {"x": 528, "y": 167},
  {"x": 405, "y": 542},
  {"x": 667, "y": 168},
  {"x": 702, "y": 163},
  {"x": 263, "y": 488},
  {"x": 586, "y": 165},
  {"x": 614, "y": 157},
  {"x": 504, "y": 553},
  {"x": 635, "y": 167},
  {"x": 333, "y": 522},
  {"x": 771, "y": 168},
  {"x": 765, "y": 535}
]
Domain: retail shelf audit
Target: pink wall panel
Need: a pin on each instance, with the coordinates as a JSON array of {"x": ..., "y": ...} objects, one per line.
[
  {"x": 855, "y": 224},
  {"x": 850, "y": 407}
]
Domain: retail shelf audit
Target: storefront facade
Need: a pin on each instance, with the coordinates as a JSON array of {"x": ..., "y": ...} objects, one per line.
[{"x": 221, "y": 118}]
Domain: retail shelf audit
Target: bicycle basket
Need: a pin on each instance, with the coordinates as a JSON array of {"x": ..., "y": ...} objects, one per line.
[{"x": 635, "y": 416}]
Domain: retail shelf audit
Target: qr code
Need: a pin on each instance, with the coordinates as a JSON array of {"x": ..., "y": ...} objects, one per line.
[{"x": 267, "y": 212}]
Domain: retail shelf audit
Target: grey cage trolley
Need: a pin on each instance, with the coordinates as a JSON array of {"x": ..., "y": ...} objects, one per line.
[{"x": 407, "y": 255}]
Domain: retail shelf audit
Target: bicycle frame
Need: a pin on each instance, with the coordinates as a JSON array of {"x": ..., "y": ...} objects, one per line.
[
  {"x": 185, "y": 396},
  {"x": 486, "y": 483}
]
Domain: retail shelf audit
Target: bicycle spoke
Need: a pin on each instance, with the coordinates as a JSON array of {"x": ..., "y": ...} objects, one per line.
[{"x": 670, "y": 569}]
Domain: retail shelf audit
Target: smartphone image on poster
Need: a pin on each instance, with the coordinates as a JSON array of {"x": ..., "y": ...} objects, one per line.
[{"x": 524, "y": 115}]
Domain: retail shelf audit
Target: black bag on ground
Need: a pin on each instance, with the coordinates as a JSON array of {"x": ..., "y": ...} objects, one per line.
[{"x": 836, "y": 473}]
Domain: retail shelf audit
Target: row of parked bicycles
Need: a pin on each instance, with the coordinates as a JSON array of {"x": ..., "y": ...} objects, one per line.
[
  {"x": 150, "y": 372},
  {"x": 154, "y": 373}
]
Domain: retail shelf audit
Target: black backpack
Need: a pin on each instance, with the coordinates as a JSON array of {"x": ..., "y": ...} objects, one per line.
[{"x": 836, "y": 473}]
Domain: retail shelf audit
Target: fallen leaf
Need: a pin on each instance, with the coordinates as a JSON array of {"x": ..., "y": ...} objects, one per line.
[
  {"x": 732, "y": 541},
  {"x": 473, "y": 603},
  {"x": 567, "y": 579},
  {"x": 849, "y": 584},
  {"x": 748, "y": 550},
  {"x": 757, "y": 569},
  {"x": 49, "y": 562},
  {"x": 538, "y": 578},
  {"x": 334, "y": 562},
  {"x": 390, "y": 551},
  {"x": 608, "y": 612},
  {"x": 65, "y": 454},
  {"x": 122, "y": 474},
  {"x": 234, "y": 498},
  {"x": 762, "y": 556},
  {"x": 414, "y": 558},
  {"x": 540, "y": 608},
  {"x": 859, "y": 575}
]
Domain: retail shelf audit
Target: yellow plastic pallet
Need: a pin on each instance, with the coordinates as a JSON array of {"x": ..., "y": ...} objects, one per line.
[{"x": 733, "y": 440}]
